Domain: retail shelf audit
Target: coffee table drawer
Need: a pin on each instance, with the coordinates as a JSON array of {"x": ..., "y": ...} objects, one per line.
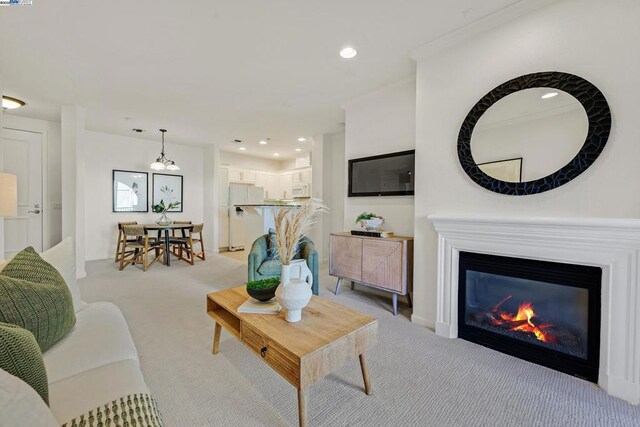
[
  {"x": 283, "y": 362},
  {"x": 252, "y": 339}
]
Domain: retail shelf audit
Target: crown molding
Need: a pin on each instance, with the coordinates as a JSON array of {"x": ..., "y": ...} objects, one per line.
[{"x": 496, "y": 19}]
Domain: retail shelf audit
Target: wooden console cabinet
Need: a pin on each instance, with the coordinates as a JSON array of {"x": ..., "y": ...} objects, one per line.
[{"x": 382, "y": 263}]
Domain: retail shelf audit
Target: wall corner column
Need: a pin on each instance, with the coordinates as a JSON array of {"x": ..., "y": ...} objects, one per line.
[
  {"x": 73, "y": 180},
  {"x": 211, "y": 178},
  {"x": 317, "y": 157}
]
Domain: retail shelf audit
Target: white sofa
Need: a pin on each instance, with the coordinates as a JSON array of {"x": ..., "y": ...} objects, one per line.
[{"x": 93, "y": 365}]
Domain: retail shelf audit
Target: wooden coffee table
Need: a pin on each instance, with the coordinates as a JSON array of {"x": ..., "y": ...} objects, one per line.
[{"x": 327, "y": 337}]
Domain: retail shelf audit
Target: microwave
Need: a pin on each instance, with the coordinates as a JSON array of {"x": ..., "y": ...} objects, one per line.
[{"x": 301, "y": 190}]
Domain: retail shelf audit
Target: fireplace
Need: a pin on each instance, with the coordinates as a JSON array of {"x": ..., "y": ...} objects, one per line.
[
  {"x": 610, "y": 244},
  {"x": 544, "y": 312}
]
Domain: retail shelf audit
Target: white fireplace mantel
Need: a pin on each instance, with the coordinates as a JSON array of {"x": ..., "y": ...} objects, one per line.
[{"x": 610, "y": 243}]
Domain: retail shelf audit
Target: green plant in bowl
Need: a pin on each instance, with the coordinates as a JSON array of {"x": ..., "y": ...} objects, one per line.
[
  {"x": 263, "y": 289},
  {"x": 370, "y": 221}
]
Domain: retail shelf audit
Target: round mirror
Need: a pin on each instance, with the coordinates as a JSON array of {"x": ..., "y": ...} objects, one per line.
[
  {"x": 534, "y": 133},
  {"x": 529, "y": 134}
]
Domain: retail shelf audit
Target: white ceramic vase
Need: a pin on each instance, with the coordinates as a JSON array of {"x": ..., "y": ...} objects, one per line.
[{"x": 294, "y": 292}]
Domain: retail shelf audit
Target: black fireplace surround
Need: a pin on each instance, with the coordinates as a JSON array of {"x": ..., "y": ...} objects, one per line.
[{"x": 544, "y": 312}]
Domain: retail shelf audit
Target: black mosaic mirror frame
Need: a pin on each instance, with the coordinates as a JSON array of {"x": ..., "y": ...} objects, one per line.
[{"x": 598, "y": 113}]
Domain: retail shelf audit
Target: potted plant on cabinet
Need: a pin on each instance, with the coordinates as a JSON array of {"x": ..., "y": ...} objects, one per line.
[{"x": 370, "y": 221}]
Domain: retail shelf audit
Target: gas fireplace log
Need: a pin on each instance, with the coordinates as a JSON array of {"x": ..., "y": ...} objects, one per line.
[
  {"x": 506, "y": 324},
  {"x": 563, "y": 336}
]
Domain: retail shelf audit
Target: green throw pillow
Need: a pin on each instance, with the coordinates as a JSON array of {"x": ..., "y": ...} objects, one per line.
[
  {"x": 35, "y": 297},
  {"x": 20, "y": 356}
]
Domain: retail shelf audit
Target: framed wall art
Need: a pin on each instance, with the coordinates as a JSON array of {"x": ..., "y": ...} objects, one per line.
[
  {"x": 167, "y": 189},
  {"x": 130, "y": 191}
]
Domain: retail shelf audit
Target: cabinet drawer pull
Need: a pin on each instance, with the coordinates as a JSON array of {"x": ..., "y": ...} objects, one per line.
[{"x": 263, "y": 351}]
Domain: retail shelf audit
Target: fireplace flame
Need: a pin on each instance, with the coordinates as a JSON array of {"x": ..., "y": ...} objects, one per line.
[{"x": 522, "y": 321}]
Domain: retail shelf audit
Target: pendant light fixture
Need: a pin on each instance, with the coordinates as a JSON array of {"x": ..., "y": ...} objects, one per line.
[{"x": 162, "y": 162}]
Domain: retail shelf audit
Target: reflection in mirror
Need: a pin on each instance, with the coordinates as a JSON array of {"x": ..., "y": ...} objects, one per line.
[{"x": 529, "y": 134}]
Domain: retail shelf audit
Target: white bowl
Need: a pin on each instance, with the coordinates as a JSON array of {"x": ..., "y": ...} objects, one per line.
[{"x": 372, "y": 224}]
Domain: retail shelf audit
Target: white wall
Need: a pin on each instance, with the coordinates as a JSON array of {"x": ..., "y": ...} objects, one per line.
[
  {"x": 52, "y": 213},
  {"x": 303, "y": 160},
  {"x": 589, "y": 38},
  {"x": 288, "y": 164},
  {"x": 379, "y": 123},
  {"x": 250, "y": 162},
  {"x": 333, "y": 182},
  {"x": 105, "y": 152}
]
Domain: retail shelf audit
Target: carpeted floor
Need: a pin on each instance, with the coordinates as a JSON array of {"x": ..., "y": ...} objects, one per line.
[{"x": 418, "y": 378}]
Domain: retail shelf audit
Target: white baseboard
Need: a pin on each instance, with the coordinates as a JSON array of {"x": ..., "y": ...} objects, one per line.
[{"x": 422, "y": 321}]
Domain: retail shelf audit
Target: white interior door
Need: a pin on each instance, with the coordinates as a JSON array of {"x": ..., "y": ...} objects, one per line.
[{"x": 21, "y": 155}]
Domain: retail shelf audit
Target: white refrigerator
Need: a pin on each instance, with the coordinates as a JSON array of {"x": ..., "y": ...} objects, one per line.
[{"x": 241, "y": 195}]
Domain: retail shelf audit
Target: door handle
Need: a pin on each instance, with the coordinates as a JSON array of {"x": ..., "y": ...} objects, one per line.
[{"x": 37, "y": 211}]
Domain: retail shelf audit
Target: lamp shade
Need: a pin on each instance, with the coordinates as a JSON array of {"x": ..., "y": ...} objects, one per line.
[{"x": 8, "y": 195}]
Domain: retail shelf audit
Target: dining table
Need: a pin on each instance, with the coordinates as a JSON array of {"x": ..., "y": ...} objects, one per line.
[{"x": 167, "y": 228}]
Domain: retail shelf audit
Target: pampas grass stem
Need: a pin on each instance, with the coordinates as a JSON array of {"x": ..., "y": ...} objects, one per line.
[{"x": 292, "y": 224}]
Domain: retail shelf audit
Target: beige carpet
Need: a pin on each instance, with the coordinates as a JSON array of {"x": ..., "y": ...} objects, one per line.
[{"x": 418, "y": 378}]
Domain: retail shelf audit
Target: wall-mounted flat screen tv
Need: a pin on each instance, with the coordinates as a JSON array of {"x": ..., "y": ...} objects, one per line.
[{"x": 386, "y": 175}]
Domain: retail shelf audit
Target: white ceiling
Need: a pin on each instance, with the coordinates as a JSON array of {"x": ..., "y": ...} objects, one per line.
[{"x": 211, "y": 71}]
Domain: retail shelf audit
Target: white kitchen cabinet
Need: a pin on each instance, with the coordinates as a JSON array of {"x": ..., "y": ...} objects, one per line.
[
  {"x": 301, "y": 176},
  {"x": 242, "y": 176},
  {"x": 248, "y": 177},
  {"x": 285, "y": 184},
  {"x": 235, "y": 175},
  {"x": 271, "y": 188},
  {"x": 268, "y": 181},
  {"x": 261, "y": 181}
]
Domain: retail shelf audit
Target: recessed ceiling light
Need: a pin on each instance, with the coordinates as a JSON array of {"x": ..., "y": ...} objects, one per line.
[
  {"x": 549, "y": 95},
  {"x": 262, "y": 142},
  {"x": 298, "y": 149},
  {"x": 242, "y": 148},
  {"x": 276, "y": 154},
  {"x": 301, "y": 139},
  {"x": 348, "y": 52},
  {"x": 9, "y": 103}
]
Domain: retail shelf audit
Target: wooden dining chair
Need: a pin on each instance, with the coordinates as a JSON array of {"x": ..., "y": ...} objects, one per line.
[
  {"x": 183, "y": 233},
  {"x": 120, "y": 237},
  {"x": 186, "y": 245},
  {"x": 137, "y": 245}
]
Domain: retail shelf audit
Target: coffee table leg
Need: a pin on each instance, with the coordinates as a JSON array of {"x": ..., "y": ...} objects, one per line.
[
  {"x": 216, "y": 337},
  {"x": 302, "y": 407},
  {"x": 365, "y": 374}
]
